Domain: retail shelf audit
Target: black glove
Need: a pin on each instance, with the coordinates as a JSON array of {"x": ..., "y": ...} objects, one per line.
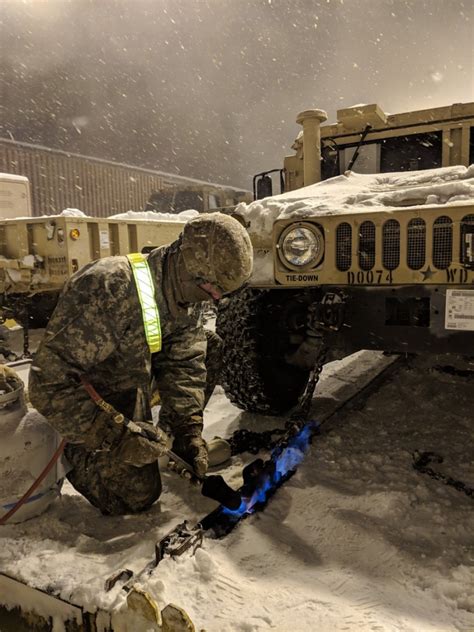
[{"x": 190, "y": 446}]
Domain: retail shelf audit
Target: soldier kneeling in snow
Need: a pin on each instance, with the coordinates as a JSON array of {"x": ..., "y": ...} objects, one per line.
[{"x": 105, "y": 332}]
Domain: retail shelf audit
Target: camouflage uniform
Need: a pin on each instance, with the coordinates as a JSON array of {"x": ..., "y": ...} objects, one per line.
[{"x": 97, "y": 332}]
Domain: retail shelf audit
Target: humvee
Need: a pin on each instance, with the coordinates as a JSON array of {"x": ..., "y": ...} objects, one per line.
[{"x": 347, "y": 261}]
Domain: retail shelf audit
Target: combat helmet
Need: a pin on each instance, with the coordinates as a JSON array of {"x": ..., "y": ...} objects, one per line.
[{"x": 216, "y": 249}]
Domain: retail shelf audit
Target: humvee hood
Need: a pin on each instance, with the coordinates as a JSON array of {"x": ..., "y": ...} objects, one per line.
[{"x": 353, "y": 192}]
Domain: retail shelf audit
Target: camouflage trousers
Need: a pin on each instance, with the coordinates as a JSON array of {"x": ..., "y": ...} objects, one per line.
[{"x": 114, "y": 487}]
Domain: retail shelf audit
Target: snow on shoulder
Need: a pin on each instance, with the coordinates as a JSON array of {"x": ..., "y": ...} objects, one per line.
[{"x": 354, "y": 192}]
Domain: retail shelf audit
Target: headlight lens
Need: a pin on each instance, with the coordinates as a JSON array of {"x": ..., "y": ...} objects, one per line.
[{"x": 302, "y": 246}]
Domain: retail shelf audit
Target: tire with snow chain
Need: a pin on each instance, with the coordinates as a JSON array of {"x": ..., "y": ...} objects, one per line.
[{"x": 259, "y": 328}]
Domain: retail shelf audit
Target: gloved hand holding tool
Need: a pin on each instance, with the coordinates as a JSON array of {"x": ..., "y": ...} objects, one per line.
[
  {"x": 141, "y": 443},
  {"x": 189, "y": 444},
  {"x": 213, "y": 486},
  {"x": 145, "y": 441}
]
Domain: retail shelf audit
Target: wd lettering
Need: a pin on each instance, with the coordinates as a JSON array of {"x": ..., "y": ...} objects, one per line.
[{"x": 456, "y": 275}]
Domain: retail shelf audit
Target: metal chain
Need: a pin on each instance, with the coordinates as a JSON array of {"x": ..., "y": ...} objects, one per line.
[
  {"x": 244, "y": 440},
  {"x": 421, "y": 462},
  {"x": 301, "y": 411}
]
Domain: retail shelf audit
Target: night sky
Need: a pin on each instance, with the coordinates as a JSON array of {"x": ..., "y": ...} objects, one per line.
[{"x": 211, "y": 88}]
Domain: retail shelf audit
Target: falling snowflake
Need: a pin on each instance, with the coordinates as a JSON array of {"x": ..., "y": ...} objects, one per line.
[{"x": 436, "y": 76}]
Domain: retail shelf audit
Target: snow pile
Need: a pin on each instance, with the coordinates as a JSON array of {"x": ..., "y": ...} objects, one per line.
[
  {"x": 71, "y": 212},
  {"x": 183, "y": 216},
  {"x": 353, "y": 192}
]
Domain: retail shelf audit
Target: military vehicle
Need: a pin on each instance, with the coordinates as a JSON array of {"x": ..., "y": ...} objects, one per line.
[
  {"x": 204, "y": 198},
  {"x": 353, "y": 261},
  {"x": 39, "y": 254}
]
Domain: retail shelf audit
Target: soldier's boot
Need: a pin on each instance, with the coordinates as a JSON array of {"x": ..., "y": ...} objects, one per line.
[{"x": 218, "y": 451}]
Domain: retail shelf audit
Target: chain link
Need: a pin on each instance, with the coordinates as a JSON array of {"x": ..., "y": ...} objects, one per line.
[
  {"x": 421, "y": 462},
  {"x": 244, "y": 440}
]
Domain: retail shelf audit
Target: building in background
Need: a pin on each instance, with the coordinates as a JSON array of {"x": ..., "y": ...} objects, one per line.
[{"x": 101, "y": 188}]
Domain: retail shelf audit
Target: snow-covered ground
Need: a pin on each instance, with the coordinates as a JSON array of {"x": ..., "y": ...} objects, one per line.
[{"x": 355, "y": 541}]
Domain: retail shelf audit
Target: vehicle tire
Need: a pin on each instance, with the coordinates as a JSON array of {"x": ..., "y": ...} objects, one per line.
[
  {"x": 34, "y": 311},
  {"x": 259, "y": 328}
]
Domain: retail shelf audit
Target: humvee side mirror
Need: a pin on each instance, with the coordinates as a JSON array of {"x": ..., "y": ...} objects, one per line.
[
  {"x": 264, "y": 187},
  {"x": 263, "y": 184}
]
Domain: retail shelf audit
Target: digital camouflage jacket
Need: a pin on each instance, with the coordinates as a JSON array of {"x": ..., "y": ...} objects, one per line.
[{"x": 97, "y": 331}]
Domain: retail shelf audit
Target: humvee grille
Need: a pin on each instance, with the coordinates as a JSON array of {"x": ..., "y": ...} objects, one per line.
[
  {"x": 416, "y": 243},
  {"x": 344, "y": 246},
  {"x": 391, "y": 244},
  {"x": 394, "y": 238},
  {"x": 367, "y": 246},
  {"x": 408, "y": 247},
  {"x": 442, "y": 242}
]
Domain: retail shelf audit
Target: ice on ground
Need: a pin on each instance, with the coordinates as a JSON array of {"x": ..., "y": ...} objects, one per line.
[
  {"x": 353, "y": 192},
  {"x": 357, "y": 540}
]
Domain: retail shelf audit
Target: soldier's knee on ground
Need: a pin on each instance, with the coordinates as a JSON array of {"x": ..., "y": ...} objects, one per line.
[{"x": 113, "y": 487}]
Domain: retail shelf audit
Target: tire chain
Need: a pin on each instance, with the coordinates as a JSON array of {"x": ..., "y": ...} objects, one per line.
[
  {"x": 244, "y": 387},
  {"x": 244, "y": 440},
  {"x": 244, "y": 382},
  {"x": 421, "y": 462}
]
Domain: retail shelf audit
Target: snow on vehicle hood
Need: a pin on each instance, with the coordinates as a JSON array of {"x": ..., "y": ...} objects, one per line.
[{"x": 354, "y": 191}]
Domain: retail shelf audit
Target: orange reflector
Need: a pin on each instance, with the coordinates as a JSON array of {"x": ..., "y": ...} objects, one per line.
[{"x": 75, "y": 233}]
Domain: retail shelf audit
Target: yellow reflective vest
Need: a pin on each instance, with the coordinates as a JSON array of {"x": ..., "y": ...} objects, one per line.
[{"x": 146, "y": 294}]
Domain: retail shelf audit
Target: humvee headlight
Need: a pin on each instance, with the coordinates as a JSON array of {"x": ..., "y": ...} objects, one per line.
[{"x": 301, "y": 246}]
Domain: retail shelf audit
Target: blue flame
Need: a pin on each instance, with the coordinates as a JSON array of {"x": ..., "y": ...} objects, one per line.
[{"x": 286, "y": 460}]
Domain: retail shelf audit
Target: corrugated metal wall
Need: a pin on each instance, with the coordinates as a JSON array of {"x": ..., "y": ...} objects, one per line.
[{"x": 97, "y": 187}]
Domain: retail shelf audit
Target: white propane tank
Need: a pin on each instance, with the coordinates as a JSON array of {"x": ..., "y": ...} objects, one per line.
[{"x": 27, "y": 443}]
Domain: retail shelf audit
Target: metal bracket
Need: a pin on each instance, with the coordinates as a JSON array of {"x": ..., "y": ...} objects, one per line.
[{"x": 180, "y": 539}]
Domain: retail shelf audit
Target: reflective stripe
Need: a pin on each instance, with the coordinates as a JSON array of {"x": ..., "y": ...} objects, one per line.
[{"x": 146, "y": 294}]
